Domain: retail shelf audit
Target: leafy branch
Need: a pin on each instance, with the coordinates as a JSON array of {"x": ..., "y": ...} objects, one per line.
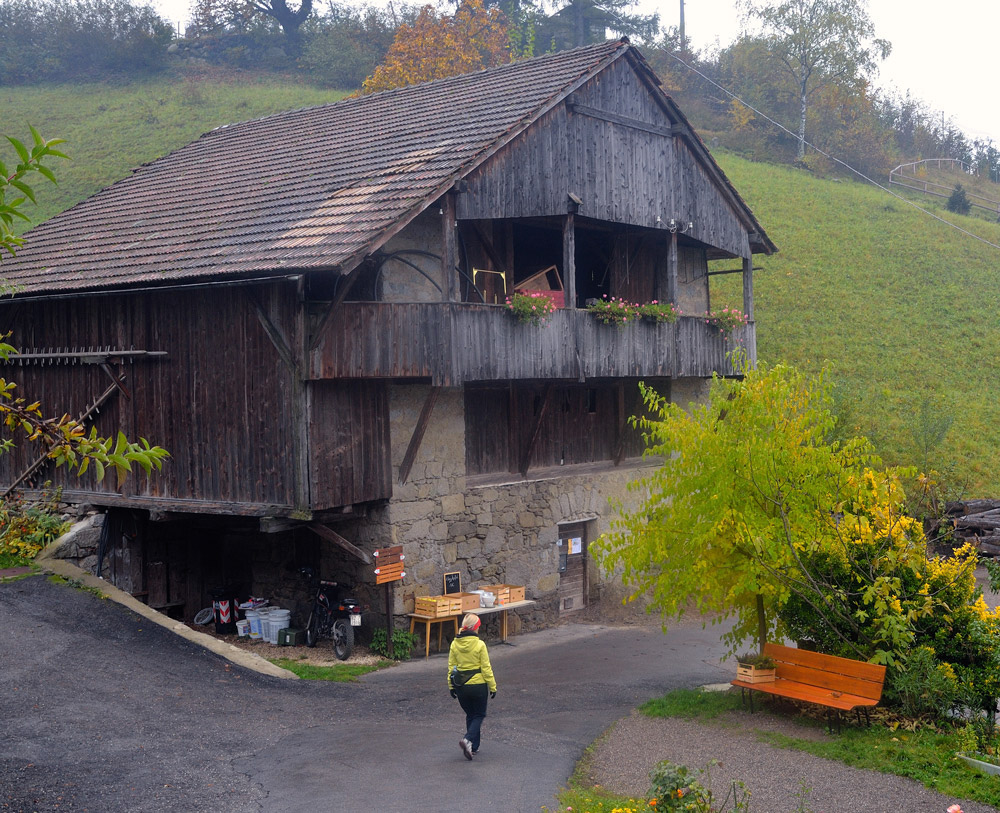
[{"x": 30, "y": 161}]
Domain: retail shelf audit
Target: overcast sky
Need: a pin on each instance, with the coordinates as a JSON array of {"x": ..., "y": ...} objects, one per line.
[{"x": 941, "y": 53}]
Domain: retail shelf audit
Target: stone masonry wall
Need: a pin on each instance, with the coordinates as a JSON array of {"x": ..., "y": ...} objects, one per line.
[{"x": 499, "y": 533}]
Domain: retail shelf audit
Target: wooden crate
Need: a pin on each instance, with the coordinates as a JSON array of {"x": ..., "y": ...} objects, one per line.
[
  {"x": 751, "y": 674},
  {"x": 470, "y": 601},
  {"x": 438, "y": 606},
  {"x": 507, "y": 593}
]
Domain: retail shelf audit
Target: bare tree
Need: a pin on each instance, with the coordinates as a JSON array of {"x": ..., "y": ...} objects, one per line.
[{"x": 289, "y": 19}]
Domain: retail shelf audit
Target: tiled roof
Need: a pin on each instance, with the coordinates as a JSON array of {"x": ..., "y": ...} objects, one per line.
[{"x": 311, "y": 188}]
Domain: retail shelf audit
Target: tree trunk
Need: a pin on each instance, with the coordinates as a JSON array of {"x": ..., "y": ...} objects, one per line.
[
  {"x": 803, "y": 106},
  {"x": 761, "y": 624}
]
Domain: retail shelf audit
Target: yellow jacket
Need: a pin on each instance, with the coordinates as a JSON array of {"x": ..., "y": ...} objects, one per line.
[{"x": 468, "y": 652}]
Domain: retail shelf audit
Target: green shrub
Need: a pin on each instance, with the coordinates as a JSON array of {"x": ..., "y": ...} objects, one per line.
[
  {"x": 402, "y": 644},
  {"x": 958, "y": 201},
  {"x": 925, "y": 687},
  {"x": 27, "y": 528}
]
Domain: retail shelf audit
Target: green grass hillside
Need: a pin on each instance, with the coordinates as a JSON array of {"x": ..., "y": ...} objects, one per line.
[{"x": 901, "y": 308}]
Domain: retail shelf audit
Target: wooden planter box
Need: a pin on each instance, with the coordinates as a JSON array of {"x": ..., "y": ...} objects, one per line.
[
  {"x": 752, "y": 674},
  {"x": 438, "y": 606}
]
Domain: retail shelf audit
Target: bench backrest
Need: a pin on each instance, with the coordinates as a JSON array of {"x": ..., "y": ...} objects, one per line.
[{"x": 827, "y": 671}]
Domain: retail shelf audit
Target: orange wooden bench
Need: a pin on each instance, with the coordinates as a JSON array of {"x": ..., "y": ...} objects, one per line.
[{"x": 839, "y": 684}]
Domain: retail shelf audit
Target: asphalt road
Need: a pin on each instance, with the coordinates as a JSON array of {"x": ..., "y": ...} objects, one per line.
[{"x": 102, "y": 710}]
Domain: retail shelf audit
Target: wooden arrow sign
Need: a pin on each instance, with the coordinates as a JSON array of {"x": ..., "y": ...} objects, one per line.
[{"x": 389, "y": 564}]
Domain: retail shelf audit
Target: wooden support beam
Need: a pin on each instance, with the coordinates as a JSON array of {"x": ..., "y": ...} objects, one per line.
[
  {"x": 331, "y": 535},
  {"x": 44, "y": 457},
  {"x": 277, "y": 525},
  {"x": 625, "y": 121},
  {"x": 272, "y": 331},
  {"x": 418, "y": 434},
  {"x": 449, "y": 249},
  {"x": 748, "y": 287},
  {"x": 536, "y": 426},
  {"x": 569, "y": 260}
]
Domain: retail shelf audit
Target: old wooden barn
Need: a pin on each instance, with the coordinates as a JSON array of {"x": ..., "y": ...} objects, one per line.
[{"x": 307, "y": 310}]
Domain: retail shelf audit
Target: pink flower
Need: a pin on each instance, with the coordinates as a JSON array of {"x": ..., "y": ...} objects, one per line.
[{"x": 955, "y": 809}]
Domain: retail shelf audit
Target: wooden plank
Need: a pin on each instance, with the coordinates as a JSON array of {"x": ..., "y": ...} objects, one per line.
[
  {"x": 533, "y": 435},
  {"x": 449, "y": 249},
  {"x": 748, "y": 287},
  {"x": 418, "y": 433},
  {"x": 794, "y": 691},
  {"x": 830, "y": 663}
]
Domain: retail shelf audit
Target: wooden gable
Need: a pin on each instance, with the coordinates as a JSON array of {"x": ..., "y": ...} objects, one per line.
[{"x": 613, "y": 145}]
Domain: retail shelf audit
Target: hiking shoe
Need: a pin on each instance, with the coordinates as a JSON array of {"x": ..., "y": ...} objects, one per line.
[{"x": 466, "y": 747}]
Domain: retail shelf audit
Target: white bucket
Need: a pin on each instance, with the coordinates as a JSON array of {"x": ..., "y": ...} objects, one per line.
[
  {"x": 253, "y": 624},
  {"x": 243, "y": 628},
  {"x": 278, "y": 620},
  {"x": 265, "y": 628}
]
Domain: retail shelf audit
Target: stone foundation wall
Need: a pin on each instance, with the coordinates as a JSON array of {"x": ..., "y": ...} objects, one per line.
[{"x": 504, "y": 532}]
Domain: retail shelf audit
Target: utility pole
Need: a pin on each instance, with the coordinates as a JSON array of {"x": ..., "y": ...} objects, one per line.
[{"x": 683, "y": 38}]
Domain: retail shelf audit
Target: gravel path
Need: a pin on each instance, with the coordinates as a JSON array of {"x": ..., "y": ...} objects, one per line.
[{"x": 775, "y": 777}]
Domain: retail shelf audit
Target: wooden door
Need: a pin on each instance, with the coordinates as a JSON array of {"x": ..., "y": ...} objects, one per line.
[{"x": 572, "y": 568}]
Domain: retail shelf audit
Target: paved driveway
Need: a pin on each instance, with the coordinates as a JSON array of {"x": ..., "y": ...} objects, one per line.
[{"x": 104, "y": 711}]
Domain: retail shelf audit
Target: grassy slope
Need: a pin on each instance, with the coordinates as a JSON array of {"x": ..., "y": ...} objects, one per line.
[{"x": 900, "y": 306}]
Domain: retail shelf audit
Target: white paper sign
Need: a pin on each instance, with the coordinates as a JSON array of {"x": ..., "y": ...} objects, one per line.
[{"x": 576, "y": 544}]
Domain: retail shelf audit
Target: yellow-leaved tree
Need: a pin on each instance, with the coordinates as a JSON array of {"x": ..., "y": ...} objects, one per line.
[{"x": 437, "y": 46}]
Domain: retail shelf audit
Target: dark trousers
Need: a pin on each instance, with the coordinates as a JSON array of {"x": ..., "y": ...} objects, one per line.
[{"x": 472, "y": 699}]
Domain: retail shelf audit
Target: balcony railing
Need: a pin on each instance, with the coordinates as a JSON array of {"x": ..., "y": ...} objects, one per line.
[{"x": 454, "y": 343}]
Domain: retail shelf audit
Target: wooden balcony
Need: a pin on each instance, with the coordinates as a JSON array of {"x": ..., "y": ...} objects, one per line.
[{"x": 455, "y": 343}]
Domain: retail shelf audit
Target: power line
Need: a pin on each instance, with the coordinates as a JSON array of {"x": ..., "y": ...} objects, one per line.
[{"x": 836, "y": 160}]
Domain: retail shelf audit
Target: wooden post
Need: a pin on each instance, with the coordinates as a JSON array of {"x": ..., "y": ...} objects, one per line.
[
  {"x": 449, "y": 249},
  {"x": 748, "y": 287},
  {"x": 672, "y": 270},
  {"x": 388, "y": 620},
  {"x": 569, "y": 260}
]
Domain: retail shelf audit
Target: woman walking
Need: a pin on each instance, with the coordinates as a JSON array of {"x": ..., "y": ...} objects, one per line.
[{"x": 470, "y": 678}]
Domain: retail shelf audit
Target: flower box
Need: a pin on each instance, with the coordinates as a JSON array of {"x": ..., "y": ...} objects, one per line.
[
  {"x": 438, "y": 606},
  {"x": 749, "y": 673}
]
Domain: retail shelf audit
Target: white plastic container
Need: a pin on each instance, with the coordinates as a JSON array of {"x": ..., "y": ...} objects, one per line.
[
  {"x": 278, "y": 620},
  {"x": 243, "y": 628},
  {"x": 253, "y": 619}
]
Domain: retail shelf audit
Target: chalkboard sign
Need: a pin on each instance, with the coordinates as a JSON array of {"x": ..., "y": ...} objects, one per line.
[{"x": 452, "y": 583}]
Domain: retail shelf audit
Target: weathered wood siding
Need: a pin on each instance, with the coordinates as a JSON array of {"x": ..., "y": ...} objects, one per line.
[
  {"x": 349, "y": 442},
  {"x": 583, "y": 423},
  {"x": 452, "y": 344},
  {"x": 220, "y": 401},
  {"x": 623, "y": 174}
]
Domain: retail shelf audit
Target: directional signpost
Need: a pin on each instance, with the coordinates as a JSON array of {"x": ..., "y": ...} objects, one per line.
[{"x": 389, "y": 569}]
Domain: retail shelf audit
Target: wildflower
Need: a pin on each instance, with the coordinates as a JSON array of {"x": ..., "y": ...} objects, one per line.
[{"x": 955, "y": 809}]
